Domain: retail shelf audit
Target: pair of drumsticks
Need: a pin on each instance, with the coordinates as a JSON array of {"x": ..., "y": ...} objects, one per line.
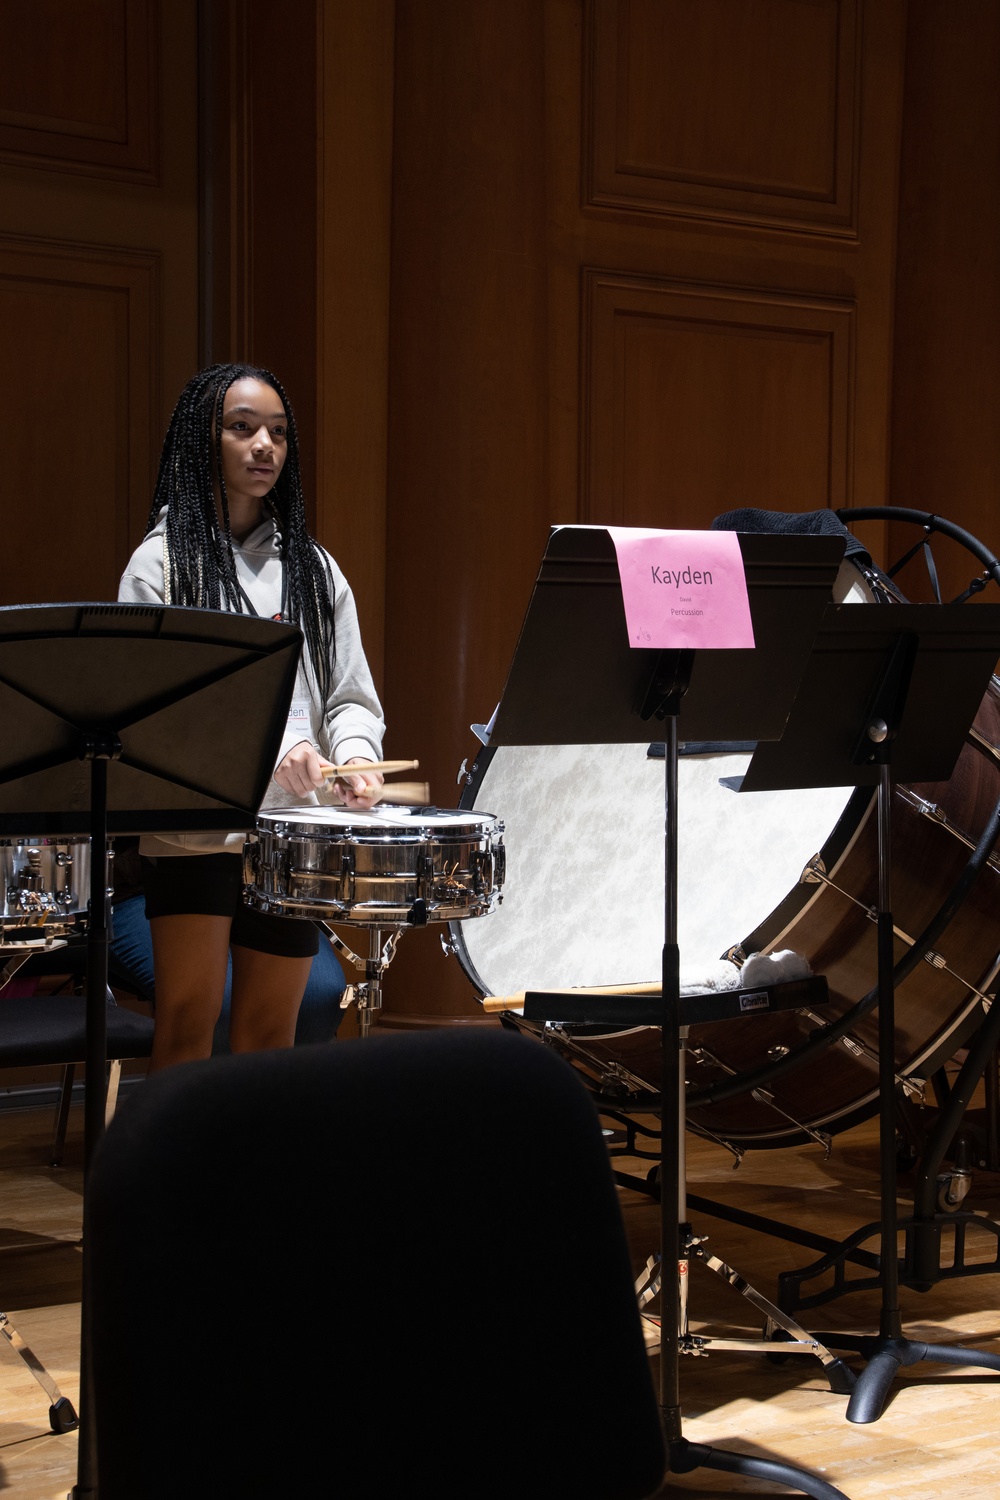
[{"x": 415, "y": 792}]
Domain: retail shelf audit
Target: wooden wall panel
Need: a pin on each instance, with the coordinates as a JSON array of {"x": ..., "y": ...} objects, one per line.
[
  {"x": 946, "y": 381},
  {"x": 467, "y": 507},
  {"x": 259, "y": 199},
  {"x": 722, "y": 109},
  {"x": 700, "y": 399},
  {"x": 79, "y": 459},
  {"x": 836, "y": 255},
  {"x": 98, "y": 276},
  {"x": 353, "y": 317},
  {"x": 79, "y": 87}
]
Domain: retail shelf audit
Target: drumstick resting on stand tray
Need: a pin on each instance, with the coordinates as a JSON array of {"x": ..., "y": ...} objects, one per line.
[{"x": 494, "y": 1003}]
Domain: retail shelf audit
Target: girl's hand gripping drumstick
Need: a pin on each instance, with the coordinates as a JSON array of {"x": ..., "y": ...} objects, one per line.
[
  {"x": 358, "y": 782},
  {"x": 387, "y": 767}
]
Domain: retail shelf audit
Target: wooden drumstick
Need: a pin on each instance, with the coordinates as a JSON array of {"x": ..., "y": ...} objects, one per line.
[
  {"x": 418, "y": 793},
  {"x": 387, "y": 767},
  {"x": 494, "y": 1003}
]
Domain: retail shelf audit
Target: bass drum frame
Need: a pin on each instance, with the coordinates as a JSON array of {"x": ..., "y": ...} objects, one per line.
[{"x": 772, "y": 1081}]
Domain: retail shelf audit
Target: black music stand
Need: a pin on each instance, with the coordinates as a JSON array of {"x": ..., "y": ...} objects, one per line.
[
  {"x": 888, "y": 695},
  {"x": 574, "y": 679},
  {"x": 124, "y": 718}
]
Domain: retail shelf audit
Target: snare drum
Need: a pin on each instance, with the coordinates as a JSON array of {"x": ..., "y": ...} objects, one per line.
[
  {"x": 46, "y": 885},
  {"x": 387, "y": 867}
]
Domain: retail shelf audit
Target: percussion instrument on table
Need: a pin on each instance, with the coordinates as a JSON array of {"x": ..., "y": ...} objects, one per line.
[
  {"x": 759, "y": 872},
  {"x": 46, "y": 887},
  {"x": 388, "y": 868}
]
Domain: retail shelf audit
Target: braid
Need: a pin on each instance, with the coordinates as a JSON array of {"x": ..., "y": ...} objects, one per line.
[{"x": 200, "y": 551}]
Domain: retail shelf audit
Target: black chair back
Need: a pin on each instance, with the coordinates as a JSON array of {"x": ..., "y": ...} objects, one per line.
[{"x": 357, "y": 1269}]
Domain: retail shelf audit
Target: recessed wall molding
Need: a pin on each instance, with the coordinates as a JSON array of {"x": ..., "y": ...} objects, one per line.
[
  {"x": 79, "y": 90},
  {"x": 699, "y": 399},
  {"x": 744, "y": 114},
  {"x": 84, "y": 323}
]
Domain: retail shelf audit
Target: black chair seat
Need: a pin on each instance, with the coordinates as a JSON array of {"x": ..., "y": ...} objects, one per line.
[{"x": 43, "y": 1029}]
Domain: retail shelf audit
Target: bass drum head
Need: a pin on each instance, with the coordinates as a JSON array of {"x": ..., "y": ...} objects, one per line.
[
  {"x": 584, "y": 899},
  {"x": 584, "y": 894}
]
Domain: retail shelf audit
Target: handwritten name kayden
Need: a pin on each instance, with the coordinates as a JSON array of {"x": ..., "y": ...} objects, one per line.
[{"x": 686, "y": 577}]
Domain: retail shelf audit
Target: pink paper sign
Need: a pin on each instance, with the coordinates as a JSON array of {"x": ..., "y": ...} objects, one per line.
[{"x": 683, "y": 589}]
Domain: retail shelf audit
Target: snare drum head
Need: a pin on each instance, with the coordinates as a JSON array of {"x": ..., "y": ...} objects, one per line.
[
  {"x": 584, "y": 894},
  {"x": 335, "y": 822}
]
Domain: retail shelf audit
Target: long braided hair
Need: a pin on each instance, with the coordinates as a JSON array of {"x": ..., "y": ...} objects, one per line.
[{"x": 202, "y": 569}]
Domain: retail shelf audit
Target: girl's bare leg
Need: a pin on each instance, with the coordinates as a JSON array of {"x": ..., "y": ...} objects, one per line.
[
  {"x": 190, "y": 956},
  {"x": 267, "y": 993}
]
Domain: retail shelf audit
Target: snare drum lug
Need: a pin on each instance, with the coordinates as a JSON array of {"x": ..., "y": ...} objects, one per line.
[
  {"x": 250, "y": 848},
  {"x": 425, "y": 884},
  {"x": 481, "y": 865},
  {"x": 417, "y": 914},
  {"x": 347, "y": 879}
]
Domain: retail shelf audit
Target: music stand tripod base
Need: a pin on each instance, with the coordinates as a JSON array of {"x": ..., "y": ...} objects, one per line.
[
  {"x": 888, "y": 695},
  {"x": 624, "y": 1009}
]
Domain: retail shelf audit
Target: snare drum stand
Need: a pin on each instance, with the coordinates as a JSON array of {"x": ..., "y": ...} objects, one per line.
[{"x": 368, "y": 994}]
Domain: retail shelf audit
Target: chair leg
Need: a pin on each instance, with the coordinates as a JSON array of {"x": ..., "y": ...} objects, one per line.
[
  {"x": 62, "y": 1115},
  {"x": 62, "y": 1417},
  {"x": 114, "y": 1079}
]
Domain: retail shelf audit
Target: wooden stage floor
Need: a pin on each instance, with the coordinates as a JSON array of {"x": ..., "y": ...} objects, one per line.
[{"x": 937, "y": 1436}]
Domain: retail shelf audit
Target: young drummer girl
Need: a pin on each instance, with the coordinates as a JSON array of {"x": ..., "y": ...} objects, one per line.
[{"x": 227, "y": 531}]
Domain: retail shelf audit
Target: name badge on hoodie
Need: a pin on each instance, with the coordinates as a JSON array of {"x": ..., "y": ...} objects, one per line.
[{"x": 298, "y": 717}]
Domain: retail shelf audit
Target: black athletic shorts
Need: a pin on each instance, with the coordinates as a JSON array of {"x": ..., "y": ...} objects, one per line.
[{"x": 211, "y": 885}]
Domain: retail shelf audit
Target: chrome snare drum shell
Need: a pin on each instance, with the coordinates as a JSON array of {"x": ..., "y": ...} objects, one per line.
[
  {"x": 390, "y": 866},
  {"x": 46, "y": 886}
]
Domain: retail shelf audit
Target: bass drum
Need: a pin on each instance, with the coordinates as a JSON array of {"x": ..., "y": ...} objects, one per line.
[{"x": 759, "y": 872}]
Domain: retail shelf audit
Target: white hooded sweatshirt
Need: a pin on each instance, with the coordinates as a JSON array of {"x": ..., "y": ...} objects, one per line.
[{"x": 349, "y": 723}]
